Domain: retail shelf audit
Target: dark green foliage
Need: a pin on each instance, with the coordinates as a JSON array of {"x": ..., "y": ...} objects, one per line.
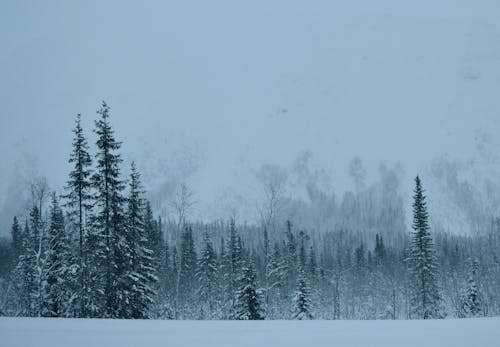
[
  {"x": 471, "y": 298},
  {"x": 28, "y": 272},
  {"x": 187, "y": 266},
  {"x": 207, "y": 275},
  {"x": 138, "y": 258},
  {"x": 233, "y": 259},
  {"x": 248, "y": 305},
  {"x": 17, "y": 237},
  {"x": 58, "y": 292},
  {"x": 108, "y": 222},
  {"x": 426, "y": 299},
  {"x": 379, "y": 251},
  {"x": 302, "y": 299},
  {"x": 78, "y": 201}
]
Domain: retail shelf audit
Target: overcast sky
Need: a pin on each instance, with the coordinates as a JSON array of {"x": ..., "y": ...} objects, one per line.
[{"x": 231, "y": 85}]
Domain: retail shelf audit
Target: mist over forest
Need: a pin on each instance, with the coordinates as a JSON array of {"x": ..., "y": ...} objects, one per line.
[
  {"x": 464, "y": 194},
  {"x": 249, "y": 161}
]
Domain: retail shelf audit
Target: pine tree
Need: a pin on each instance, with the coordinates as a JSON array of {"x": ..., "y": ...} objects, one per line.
[
  {"x": 107, "y": 239},
  {"x": 360, "y": 257},
  {"x": 302, "y": 298},
  {"x": 302, "y": 250},
  {"x": 290, "y": 255},
  {"x": 58, "y": 297},
  {"x": 24, "y": 273},
  {"x": 175, "y": 267},
  {"x": 276, "y": 270},
  {"x": 29, "y": 272},
  {"x": 312, "y": 264},
  {"x": 167, "y": 275},
  {"x": 157, "y": 245},
  {"x": 132, "y": 257},
  {"x": 471, "y": 298},
  {"x": 234, "y": 259},
  {"x": 207, "y": 275},
  {"x": 426, "y": 299},
  {"x": 187, "y": 267},
  {"x": 40, "y": 245},
  {"x": 248, "y": 306},
  {"x": 156, "y": 242},
  {"x": 78, "y": 198},
  {"x": 17, "y": 237},
  {"x": 379, "y": 251},
  {"x": 139, "y": 263},
  {"x": 148, "y": 269}
]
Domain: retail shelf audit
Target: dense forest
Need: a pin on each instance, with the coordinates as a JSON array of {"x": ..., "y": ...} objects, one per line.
[{"x": 98, "y": 250}]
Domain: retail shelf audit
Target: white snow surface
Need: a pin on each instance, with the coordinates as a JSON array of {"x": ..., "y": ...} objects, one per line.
[{"x": 27, "y": 332}]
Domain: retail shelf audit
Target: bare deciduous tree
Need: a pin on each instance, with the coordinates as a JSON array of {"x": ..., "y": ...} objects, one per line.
[
  {"x": 273, "y": 179},
  {"x": 183, "y": 204},
  {"x": 39, "y": 192}
]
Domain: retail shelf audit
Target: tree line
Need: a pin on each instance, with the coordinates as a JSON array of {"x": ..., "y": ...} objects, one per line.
[{"x": 99, "y": 252}]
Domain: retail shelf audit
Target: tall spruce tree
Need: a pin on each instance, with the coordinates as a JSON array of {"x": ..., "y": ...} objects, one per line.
[
  {"x": 379, "y": 250},
  {"x": 157, "y": 246},
  {"x": 78, "y": 197},
  {"x": 290, "y": 253},
  {"x": 17, "y": 237},
  {"x": 302, "y": 299},
  {"x": 234, "y": 257},
  {"x": 108, "y": 222},
  {"x": 302, "y": 249},
  {"x": 426, "y": 299},
  {"x": 187, "y": 267},
  {"x": 24, "y": 273},
  {"x": 471, "y": 298},
  {"x": 248, "y": 305},
  {"x": 207, "y": 277},
  {"x": 138, "y": 260},
  {"x": 30, "y": 269},
  {"x": 312, "y": 265},
  {"x": 58, "y": 292}
]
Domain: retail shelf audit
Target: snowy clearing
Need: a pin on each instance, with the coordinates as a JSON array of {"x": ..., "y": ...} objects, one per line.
[{"x": 28, "y": 332}]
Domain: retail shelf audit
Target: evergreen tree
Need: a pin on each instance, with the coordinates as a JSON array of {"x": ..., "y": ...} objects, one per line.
[
  {"x": 187, "y": 267},
  {"x": 234, "y": 259},
  {"x": 290, "y": 255},
  {"x": 207, "y": 275},
  {"x": 175, "y": 267},
  {"x": 379, "y": 251},
  {"x": 148, "y": 270},
  {"x": 159, "y": 248},
  {"x": 107, "y": 239},
  {"x": 156, "y": 242},
  {"x": 471, "y": 298},
  {"x": 25, "y": 277},
  {"x": 167, "y": 274},
  {"x": 302, "y": 298},
  {"x": 78, "y": 198},
  {"x": 248, "y": 306},
  {"x": 58, "y": 297},
  {"x": 40, "y": 243},
  {"x": 426, "y": 299},
  {"x": 276, "y": 270},
  {"x": 29, "y": 272},
  {"x": 139, "y": 263},
  {"x": 360, "y": 257},
  {"x": 312, "y": 264},
  {"x": 17, "y": 237},
  {"x": 302, "y": 250}
]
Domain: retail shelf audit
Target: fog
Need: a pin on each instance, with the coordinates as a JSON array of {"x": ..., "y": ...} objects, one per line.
[{"x": 225, "y": 95}]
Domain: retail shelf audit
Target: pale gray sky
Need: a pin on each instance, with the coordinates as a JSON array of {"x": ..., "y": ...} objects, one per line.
[{"x": 235, "y": 84}]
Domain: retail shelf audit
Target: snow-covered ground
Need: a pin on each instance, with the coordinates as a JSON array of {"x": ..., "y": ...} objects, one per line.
[{"x": 25, "y": 332}]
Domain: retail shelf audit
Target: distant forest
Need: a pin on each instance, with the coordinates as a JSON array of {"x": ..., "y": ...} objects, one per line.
[{"x": 100, "y": 251}]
